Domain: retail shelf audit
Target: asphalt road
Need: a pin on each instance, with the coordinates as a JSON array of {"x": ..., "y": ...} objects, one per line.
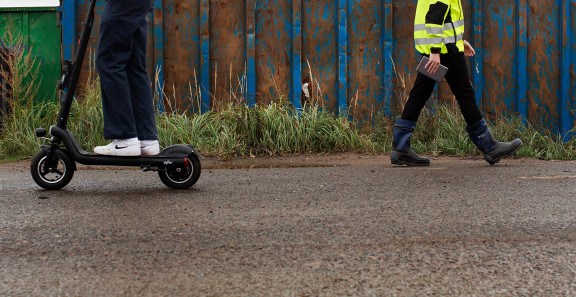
[{"x": 343, "y": 225}]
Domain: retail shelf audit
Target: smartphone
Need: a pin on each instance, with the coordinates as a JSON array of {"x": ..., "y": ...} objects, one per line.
[{"x": 438, "y": 76}]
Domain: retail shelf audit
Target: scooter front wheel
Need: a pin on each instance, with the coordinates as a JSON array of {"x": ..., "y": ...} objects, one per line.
[
  {"x": 52, "y": 176},
  {"x": 181, "y": 177}
]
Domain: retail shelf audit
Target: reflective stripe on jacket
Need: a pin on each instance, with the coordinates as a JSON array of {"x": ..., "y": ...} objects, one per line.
[{"x": 439, "y": 25}]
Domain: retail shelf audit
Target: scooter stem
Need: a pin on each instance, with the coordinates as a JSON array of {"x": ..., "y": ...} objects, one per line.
[{"x": 66, "y": 103}]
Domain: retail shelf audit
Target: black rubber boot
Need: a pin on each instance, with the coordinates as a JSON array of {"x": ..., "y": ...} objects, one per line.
[
  {"x": 401, "y": 152},
  {"x": 492, "y": 149}
]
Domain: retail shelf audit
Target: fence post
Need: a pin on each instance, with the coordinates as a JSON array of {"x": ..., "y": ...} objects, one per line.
[
  {"x": 68, "y": 28},
  {"x": 566, "y": 39},
  {"x": 158, "y": 31},
  {"x": 572, "y": 51},
  {"x": 296, "y": 89},
  {"x": 205, "y": 55},
  {"x": 250, "y": 52},
  {"x": 522, "y": 59},
  {"x": 342, "y": 56},
  {"x": 478, "y": 76},
  {"x": 387, "y": 62}
]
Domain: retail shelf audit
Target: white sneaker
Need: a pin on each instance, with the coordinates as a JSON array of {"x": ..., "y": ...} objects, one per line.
[
  {"x": 120, "y": 147},
  {"x": 149, "y": 147}
]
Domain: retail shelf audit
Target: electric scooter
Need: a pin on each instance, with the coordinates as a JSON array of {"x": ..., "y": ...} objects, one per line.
[{"x": 53, "y": 167}]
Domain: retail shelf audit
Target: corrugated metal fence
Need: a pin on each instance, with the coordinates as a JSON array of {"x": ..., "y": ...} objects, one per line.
[{"x": 358, "y": 53}]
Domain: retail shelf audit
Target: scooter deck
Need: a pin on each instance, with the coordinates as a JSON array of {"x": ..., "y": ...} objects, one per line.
[{"x": 174, "y": 154}]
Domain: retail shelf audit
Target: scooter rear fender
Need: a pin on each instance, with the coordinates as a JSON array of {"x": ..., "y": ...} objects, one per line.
[{"x": 183, "y": 150}]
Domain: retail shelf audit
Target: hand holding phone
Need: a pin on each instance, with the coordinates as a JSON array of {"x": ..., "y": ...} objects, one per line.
[{"x": 438, "y": 75}]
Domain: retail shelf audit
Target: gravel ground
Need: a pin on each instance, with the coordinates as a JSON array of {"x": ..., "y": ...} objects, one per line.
[{"x": 339, "y": 225}]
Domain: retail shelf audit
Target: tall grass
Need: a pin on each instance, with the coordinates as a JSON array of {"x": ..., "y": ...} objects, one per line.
[
  {"x": 238, "y": 130},
  {"x": 276, "y": 129},
  {"x": 233, "y": 129},
  {"x": 19, "y": 71}
]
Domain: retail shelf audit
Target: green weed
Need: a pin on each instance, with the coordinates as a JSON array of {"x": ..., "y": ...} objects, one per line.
[{"x": 234, "y": 129}]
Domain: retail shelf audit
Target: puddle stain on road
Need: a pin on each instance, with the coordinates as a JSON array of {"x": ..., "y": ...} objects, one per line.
[
  {"x": 548, "y": 177},
  {"x": 261, "y": 166}
]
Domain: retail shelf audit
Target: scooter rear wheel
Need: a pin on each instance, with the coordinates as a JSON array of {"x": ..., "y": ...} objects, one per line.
[
  {"x": 178, "y": 177},
  {"x": 53, "y": 178}
]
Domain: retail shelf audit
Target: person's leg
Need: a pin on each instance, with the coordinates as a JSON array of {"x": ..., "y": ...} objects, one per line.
[
  {"x": 419, "y": 95},
  {"x": 459, "y": 81},
  {"x": 119, "y": 22},
  {"x": 140, "y": 88},
  {"x": 401, "y": 152},
  {"x": 404, "y": 127},
  {"x": 477, "y": 129},
  {"x": 492, "y": 149},
  {"x": 141, "y": 93},
  {"x": 112, "y": 57}
]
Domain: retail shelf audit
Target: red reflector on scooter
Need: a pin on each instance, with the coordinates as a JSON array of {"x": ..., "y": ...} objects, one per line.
[{"x": 186, "y": 163}]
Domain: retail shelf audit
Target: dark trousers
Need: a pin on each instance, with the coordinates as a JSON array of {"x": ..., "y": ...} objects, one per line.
[
  {"x": 459, "y": 82},
  {"x": 121, "y": 63}
]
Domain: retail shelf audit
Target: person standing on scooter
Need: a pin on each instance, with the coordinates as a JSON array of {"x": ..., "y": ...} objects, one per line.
[
  {"x": 438, "y": 33},
  {"x": 127, "y": 100}
]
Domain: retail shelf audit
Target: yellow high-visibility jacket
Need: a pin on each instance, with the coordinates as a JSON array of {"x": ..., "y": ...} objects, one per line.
[{"x": 439, "y": 26}]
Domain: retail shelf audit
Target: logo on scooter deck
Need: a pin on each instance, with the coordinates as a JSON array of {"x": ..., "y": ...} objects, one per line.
[{"x": 168, "y": 163}]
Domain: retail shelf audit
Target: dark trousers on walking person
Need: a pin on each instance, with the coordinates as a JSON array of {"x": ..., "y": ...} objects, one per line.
[
  {"x": 458, "y": 79},
  {"x": 121, "y": 63}
]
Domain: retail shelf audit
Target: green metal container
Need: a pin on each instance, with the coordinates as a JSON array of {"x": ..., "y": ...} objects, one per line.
[{"x": 41, "y": 35}]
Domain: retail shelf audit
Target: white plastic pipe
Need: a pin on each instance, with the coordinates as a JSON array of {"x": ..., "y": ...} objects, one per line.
[{"x": 29, "y": 3}]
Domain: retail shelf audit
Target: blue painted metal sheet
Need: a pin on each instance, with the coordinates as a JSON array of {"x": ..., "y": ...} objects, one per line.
[
  {"x": 572, "y": 53},
  {"x": 357, "y": 54},
  {"x": 68, "y": 28},
  {"x": 204, "y": 93}
]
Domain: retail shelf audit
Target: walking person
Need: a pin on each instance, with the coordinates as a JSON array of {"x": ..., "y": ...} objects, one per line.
[
  {"x": 438, "y": 34},
  {"x": 126, "y": 92}
]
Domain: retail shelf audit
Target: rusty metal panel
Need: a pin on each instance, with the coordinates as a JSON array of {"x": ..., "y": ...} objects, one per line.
[
  {"x": 227, "y": 51},
  {"x": 359, "y": 54},
  {"x": 365, "y": 66},
  {"x": 544, "y": 33},
  {"x": 320, "y": 49},
  {"x": 403, "y": 54},
  {"x": 273, "y": 50},
  {"x": 181, "y": 53},
  {"x": 500, "y": 57}
]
